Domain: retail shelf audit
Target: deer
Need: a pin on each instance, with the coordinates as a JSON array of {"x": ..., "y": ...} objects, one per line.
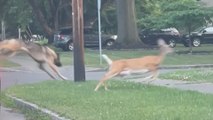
[{"x": 149, "y": 63}]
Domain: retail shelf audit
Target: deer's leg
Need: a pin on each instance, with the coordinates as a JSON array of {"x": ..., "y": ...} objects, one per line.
[
  {"x": 155, "y": 73},
  {"x": 107, "y": 76}
]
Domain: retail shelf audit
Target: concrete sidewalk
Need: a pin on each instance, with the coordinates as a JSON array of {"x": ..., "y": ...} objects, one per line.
[
  {"x": 9, "y": 114},
  {"x": 206, "y": 88}
]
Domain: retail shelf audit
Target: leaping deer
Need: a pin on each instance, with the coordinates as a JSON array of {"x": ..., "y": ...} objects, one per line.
[{"x": 128, "y": 66}]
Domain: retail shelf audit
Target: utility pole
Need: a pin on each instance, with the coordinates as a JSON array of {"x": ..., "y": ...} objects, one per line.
[
  {"x": 99, "y": 29},
  {"x": 78, "y": 40},
  {"x": 3, "y": 36}
]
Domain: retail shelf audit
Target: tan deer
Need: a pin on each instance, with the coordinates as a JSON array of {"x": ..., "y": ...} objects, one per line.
[{"x": 128, "y": 66}]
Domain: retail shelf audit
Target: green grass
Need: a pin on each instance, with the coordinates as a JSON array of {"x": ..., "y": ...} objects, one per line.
[
  {"x": 200, "y": 55},
  {"x": 6, "y": 63},
  {"x": 195, "y": 75},
  {"x": 124, "y": 101},
  {"x": 28, "y": 113}
]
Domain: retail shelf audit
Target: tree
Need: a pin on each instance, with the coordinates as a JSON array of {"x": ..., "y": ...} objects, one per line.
[
  {"x": 187, "y": 14},
  {"x": 53, "y": 14},
  {"x": 15, "y": 13},
  {"x": 190, "y": 14},
  {"x": 127, "y": 27},
  {"x": 183, "y": 14},
  {"x": 2, "y": 8},
  {"x": 46, "y": 13}
]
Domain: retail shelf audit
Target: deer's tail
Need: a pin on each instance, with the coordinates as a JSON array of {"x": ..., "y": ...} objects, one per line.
[{"x": 107, "y": 59}]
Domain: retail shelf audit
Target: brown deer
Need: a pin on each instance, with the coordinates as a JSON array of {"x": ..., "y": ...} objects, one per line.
[{"x": 128, "y": 66}]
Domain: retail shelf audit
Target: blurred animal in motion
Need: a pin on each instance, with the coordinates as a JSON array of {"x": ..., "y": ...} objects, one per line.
[
  {"x": 41, "y": 54},
  {"x": 128, "y": 66},
  {"x": 10, "y": 47}
]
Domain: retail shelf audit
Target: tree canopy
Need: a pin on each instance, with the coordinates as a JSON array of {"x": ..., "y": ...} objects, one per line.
[
  {"x": 46, "y": 16},
  {"x": 185, "y": 15}
]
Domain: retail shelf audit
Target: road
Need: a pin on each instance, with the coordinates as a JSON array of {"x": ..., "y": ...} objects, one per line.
[{"x": 30, "y": 73}]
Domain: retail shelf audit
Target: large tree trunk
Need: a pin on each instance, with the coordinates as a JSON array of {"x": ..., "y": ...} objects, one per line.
[
  {"x": 46, "y": 25},
  {"x": 127, "y": 27}
]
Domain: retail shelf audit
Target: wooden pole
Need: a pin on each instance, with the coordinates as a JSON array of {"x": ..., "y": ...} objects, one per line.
[
  {"x": 78, "y": 40},
  {"x": 3, "y": 36}
]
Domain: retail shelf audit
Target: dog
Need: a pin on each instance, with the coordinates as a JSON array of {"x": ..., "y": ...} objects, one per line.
[
  {"x": 128, "y": 66},
  {"x": 41, "y": 54},
  {"x": 10, "y": 47}
]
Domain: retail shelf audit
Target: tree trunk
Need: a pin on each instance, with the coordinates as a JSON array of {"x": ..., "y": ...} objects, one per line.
[
  {"x": 47, "y": 29},
  {"x": 189, "y": 26},
  {"x": 127, "y": 27}
]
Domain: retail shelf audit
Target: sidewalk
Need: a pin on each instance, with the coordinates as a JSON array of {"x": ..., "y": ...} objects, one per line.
[
  {"x": 206, "y": 88},
  {"x": 9, "y": 114}
]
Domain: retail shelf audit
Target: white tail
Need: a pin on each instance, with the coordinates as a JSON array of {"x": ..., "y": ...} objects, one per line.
[
  {"x": 147, "y": 63},
  {"x": 107, "y": 59}
]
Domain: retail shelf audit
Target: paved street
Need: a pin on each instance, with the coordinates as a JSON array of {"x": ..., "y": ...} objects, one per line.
[
  {"x": 30, "y": 73},
  {"x": 9, "y": 114}
]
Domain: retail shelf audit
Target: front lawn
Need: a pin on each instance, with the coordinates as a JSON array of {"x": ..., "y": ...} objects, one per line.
[
  {"x": 6, "y": 63},
  {"x": 200, "y": 55},
  {"x": 124, "y": 101}
]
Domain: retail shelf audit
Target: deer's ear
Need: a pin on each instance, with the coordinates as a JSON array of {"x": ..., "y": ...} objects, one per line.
[{"x": 161, "y": 42}]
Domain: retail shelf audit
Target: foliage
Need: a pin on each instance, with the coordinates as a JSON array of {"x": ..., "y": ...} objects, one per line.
[
  {"x": 183, "y": 14},
  {"x": 16, "y": 14},
  {"x": 108, "y": 15}
]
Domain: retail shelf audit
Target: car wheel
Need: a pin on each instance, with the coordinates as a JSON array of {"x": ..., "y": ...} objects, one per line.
[
  {"x": 109, "y": 43},
  {"x": 69, "y": 46},
  {"x": 196, "y": 42},
  {"x": 172, "y": 43}
]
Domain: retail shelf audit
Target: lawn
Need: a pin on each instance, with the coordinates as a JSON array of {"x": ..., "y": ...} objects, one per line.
[
  {"x": 200, "y": 55},
  {"x": 124, "y": 101},
  {"x": 193, "y": 75},
  {"x": 6, "y": 63}
]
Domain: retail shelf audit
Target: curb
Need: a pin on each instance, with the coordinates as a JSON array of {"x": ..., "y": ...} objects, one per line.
[
  {"x": 24, "y": 104},
  {"x": 8, "y": 70}
]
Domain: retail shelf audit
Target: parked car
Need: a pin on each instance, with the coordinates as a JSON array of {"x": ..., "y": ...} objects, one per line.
[
  {"x": 203, "y": 35},
  {"x": 64, "y": 39},
  {"x": 170, "y": 35}
]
